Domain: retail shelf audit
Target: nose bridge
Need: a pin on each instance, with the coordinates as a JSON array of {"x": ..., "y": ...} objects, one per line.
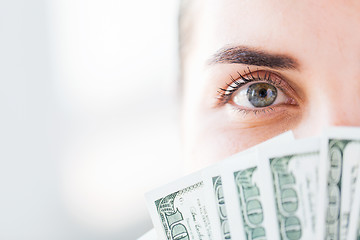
[
  {"x": 344, "y": 116},
  {"x": 332, "y": 90},
  {"x": 330, "y": 103},
  {"x": 340, "y": 104}
]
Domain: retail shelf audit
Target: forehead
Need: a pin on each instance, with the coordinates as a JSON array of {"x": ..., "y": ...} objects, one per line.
[{"x": 304, "y": 27}]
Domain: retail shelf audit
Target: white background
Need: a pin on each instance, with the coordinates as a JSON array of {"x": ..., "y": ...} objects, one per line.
[{"x": 89, "y": 115}]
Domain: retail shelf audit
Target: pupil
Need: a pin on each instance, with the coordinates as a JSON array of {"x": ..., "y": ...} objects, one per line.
[{"x": 261, "y": 94}]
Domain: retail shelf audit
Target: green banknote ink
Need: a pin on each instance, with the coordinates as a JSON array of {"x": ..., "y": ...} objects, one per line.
[
  {"x": 250, "y": 204},
  {"x": 221, "y": 207}
]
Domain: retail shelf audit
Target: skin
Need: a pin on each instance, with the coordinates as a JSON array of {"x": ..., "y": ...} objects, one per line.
[{"x": 323, "y": 38}]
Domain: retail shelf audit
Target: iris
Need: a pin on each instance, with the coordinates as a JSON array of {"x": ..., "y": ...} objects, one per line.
[{"x": 261, "y": 94}]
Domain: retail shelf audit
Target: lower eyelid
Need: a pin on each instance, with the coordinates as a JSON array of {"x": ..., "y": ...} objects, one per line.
[{"x": 271, "y": 113}]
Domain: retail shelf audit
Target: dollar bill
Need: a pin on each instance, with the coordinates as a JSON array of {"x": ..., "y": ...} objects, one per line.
[
  {"x": 290, "y": 181},
  {"x": 351, "y": 159},
  {"x": 179, "y": 210},
  {"x": 216, "y": 202},
  {"x": 214, "y": 183},
  {"x": 221, "y": 207},
  {"x": 354, "y": 219},
  {"x": 340, "y": 163},
  {"x": 240, "y": 175},
  {"x": 241, "y": 187},
  {"x": 280, "y": 189},
  {"x": 250, "y": 202}
]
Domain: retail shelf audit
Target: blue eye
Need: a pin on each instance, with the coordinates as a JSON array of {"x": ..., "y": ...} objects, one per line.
[
  {"x": 261, "y": 94},
  {"x": 258, "y": 95},
  {"x": 257, "y": 91}
]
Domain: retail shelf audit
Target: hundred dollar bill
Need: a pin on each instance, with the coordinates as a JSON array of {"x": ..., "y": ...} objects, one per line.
[
  {"x": 179, "y": 211},
  {"x": 340, "y": 162},
  {"x": 351, "y": 156},
  {"x": 290, "y": 181},
  {"x": 245, "y": 212},
  {"x": 354, "y": 219},
  {"x": 240, "y": 175},
  {"x": 217, "y": 202}
]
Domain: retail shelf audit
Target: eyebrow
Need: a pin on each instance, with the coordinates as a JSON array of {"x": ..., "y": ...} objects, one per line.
[{"x": 251, "y": 56}]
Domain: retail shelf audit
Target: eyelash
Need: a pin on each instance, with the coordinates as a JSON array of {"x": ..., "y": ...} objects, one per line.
[{"x": 226, "y": 94}]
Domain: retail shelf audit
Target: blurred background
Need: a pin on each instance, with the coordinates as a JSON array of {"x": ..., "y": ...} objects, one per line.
[{"x": 89, "y": 115}]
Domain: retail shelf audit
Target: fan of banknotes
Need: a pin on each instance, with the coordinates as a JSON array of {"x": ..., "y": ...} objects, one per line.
[{"x": 280, "y": 189}]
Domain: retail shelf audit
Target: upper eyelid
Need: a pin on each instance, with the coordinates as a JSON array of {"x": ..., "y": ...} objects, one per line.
[
  {"x": 225, "y": 94},
  {"x": 245, "y": 79}
]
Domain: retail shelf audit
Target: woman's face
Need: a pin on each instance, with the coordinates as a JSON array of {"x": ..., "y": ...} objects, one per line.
[{"x": 255, "y": 69}]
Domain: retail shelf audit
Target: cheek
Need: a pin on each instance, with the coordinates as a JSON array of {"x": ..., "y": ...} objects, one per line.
[
  {"x": 210, "y": 146},
  {"x": 216, "y": 140}
]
